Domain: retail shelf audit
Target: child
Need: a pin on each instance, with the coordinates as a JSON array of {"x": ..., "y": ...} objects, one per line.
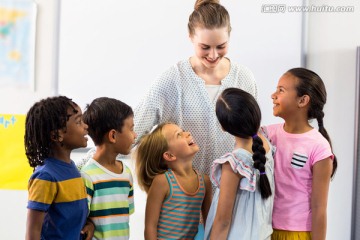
[
  {"x": 57, "y": 206},
  {"x": 176, "y": 192},
  {"x": 244, "y": 180},
  {"x": 109, "y": 182},
  {"x": 304, "y": 162}
]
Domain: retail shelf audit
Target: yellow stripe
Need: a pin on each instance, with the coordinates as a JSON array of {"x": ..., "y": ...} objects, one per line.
[
  {"x": 71, "y": 190},
  {"x": 48, "y": 192},
  {"x": 42, "y": 191}
]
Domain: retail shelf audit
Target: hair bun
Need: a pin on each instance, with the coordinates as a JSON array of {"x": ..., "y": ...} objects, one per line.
[{"x": 200, "y": 3}]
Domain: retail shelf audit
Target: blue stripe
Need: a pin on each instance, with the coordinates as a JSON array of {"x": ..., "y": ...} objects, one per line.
[
  {"x": 112, "y": 184},
  {"x": 188, "y": 217},
  {"x": 108, "y": 212}
]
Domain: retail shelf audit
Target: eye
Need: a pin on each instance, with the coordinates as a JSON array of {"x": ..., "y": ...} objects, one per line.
[
  {"x": 221, "y": 47},
  {"x": 205, "y": 48}
]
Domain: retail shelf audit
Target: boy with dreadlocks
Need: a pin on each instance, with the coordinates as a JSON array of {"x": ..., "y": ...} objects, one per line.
[{"x": 57, "y": 205}]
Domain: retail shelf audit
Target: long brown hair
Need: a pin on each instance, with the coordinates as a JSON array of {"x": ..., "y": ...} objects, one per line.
[
  {"x": 309, "y": 83},
  {"x": 149, "y": 157}
]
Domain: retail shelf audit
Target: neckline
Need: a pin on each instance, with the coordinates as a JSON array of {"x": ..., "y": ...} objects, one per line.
[
  {"x": 107, "y": 170},
  {"x": 198, "y": 78},
  {"x": 295, "y": 135},
  {"x": 181, "y": 187}
]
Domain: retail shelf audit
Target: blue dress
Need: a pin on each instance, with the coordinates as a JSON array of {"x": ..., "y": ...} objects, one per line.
[{"x": 252, "y": 215}]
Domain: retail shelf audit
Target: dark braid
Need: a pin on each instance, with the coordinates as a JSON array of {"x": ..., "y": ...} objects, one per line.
[
  {"x": 43, "y": 121},
  {"x": 239, "y": 114},
  {"x": 259, "y": 163},
  {"x": 312, "y": 85}
]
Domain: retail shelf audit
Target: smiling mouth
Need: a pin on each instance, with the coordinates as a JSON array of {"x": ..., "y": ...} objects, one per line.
[
  {"x": 192, "y": 142},
  {"x": 212, "y": 61}
]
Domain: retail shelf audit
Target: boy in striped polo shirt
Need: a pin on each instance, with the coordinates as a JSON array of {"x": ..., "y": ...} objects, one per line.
[{"x": 109, "y": 183}]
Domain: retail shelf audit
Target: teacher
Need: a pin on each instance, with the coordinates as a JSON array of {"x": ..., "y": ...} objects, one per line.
[{"x": 186, "y": 93}]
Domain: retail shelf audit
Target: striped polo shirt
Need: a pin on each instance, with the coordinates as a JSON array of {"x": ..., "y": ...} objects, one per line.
[
  {"x": 180, "y": 212},
  {"x": 111, "y": 201}
]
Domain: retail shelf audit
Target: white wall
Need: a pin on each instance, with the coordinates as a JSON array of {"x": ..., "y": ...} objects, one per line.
[
  {"x": 332, "y": 42},
  {"x": 15, "y": 101},
  {"x": 332, "y": 38}
]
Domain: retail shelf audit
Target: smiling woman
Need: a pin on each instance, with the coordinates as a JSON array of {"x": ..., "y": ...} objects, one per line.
[{"x": 184, "y": 93}]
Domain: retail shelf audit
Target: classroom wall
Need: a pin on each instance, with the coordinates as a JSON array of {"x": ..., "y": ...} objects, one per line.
[
  {"x": 331, "y": 41},
  {"x": 18, "y": 101}
]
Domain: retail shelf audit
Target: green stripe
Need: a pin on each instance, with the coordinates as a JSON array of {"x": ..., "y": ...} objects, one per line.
[
  {"x": 106, "y": 205},
  {"x": 111, "y": 191}
]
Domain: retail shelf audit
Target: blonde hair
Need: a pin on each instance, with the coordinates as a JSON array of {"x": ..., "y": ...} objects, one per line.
[
  {"x": 208, "y": 14},
  {"x": 149, "y": 157}
]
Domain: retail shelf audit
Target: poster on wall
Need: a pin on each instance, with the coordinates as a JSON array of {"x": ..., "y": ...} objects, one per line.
[
  {"x": 17, "y": 43},
  {"x": 15, "y": 170}
]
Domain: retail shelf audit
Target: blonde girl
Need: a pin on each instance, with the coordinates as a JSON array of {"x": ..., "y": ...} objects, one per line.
[{"x": 177, "y": 193}]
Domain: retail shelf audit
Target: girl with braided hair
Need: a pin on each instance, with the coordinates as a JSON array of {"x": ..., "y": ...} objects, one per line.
[
  {"x": 244, "y": 180},
  {"x": 57, "y": 204},
  {"x": 304, "y": 161}
]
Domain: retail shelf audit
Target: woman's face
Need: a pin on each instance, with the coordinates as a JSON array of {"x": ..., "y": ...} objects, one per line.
[{"x": 210, "y": 45}]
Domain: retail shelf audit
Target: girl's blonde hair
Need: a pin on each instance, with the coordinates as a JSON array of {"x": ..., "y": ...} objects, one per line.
[
  {"x": 208, "y": 14},
  {"x": 149, "y": 157}
]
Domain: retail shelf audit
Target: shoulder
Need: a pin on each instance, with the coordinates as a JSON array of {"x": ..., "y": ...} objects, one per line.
[
  {"x": 173, "y": 72},
  {"x": 241, "y": 68},
  {"x": 160, "y": 179},
  {"x": 270, "y": 130},
  {"x": 242, "y": 71},
  {"x": 159, "y": 185},
  {"x": 89, "y": 166},
  {"x": 127, "y": 171},
  {"x": 42, "y": 173}
]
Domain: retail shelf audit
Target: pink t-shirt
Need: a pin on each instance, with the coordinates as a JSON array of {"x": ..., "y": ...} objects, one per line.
[{"x": 295, "y": 156}]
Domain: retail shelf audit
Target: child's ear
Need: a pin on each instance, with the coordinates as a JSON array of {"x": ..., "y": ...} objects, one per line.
[
  {"x": 112, "y": 135},
  {"x": 56, "y": 135},
  {"x": 304, "y": 100},
  {"x": 168, "y": 156}
]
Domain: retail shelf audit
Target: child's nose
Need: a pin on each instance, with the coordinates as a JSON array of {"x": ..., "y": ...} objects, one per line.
[{"x": 273, "y": 96}]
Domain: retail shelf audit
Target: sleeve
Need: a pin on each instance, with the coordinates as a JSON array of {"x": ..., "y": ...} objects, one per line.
[
  {"x": 89, "y": 187},
  {"x": 269, "y": 132},
  {"x": 322, "y": 151},
  {"x": 248, "y": 81},
  {"x": 264, "y": 131},
  {"x": 255, "y": 87},
  {"x": 156, "y": 106},
  {"x": 131, "y": 193},
  {"x": 238, "y": 166},
  {"x": 42, "y": 191},
  {"x": 80, "y": 164}
]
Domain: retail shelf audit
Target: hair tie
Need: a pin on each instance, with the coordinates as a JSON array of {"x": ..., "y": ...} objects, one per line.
[
  {"x": 262, "y": 173},
  {"x": 254, "y": 136}
]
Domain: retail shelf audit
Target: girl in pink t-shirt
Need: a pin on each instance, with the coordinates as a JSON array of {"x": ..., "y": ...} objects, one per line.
[{"x": 304, "y": 162}]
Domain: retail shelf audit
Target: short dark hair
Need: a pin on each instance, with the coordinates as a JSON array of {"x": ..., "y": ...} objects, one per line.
[{"x": 104, "y": 114}]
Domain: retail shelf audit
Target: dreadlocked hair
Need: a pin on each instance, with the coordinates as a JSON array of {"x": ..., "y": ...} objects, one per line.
[{"x": 43, "y": 122}]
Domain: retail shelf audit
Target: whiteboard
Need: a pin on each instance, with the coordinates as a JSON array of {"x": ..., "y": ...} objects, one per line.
[{"x": 117, "y": 48}]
